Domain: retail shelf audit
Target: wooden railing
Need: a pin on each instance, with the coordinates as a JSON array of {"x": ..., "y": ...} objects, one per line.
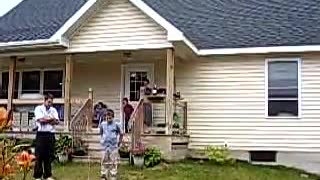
[
  {"x": 137, "y": 119},
  {"x": 80, "y": 124},
  {"x": 180, "y": 118}
]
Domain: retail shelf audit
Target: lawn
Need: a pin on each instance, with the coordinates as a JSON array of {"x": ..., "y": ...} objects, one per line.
[{"x": 184, "y": 171}]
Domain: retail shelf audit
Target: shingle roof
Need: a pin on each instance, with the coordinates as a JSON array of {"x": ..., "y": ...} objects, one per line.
[
  {"x": 36, "y": 19},
  {"x": 211, "y": 24}
]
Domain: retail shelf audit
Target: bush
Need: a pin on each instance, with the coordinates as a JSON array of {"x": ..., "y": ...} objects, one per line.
[
  {"x": 152, "y": 157},
  {"x": 219, "y": 155}
]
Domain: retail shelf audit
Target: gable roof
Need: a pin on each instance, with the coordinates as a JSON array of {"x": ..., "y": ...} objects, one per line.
[
  {"x": 207, "y": 26},
  {"x": 34, "y": 20},
  {"x": 212, "y": 24}
]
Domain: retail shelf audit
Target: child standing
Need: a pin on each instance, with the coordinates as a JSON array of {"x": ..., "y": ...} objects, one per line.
[{"x": 111, "y": 138}]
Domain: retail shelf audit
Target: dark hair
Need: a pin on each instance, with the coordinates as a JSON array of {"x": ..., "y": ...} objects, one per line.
[
  {"x": 147, "y": 80},
  {"x": 125, "y": 99},
  {"x": 48, "y": 96},
  {"x": 111, "y": 112}
]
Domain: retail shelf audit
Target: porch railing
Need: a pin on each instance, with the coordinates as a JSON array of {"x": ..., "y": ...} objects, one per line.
[
  {"x": 180, "y": 118},
  {"x": 80, "y": 123},
  {"x": 137, "y": 119}
]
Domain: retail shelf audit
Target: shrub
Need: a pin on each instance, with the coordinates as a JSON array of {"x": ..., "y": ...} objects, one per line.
[
  {"x": 152, "y": 157},
  {"x": 219, "y": 155}
]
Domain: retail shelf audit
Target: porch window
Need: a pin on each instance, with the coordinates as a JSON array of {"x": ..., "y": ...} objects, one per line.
[
  {"x": 31, "y": 82},
  {"x": 136, "y": 81},
  {"x": 5, "y": 83},
  {"x": 53, "y": 83},
  {"x": 283, "y": 87}
]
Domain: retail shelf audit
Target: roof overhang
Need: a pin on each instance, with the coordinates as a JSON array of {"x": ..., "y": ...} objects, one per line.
[
  {"x": 56, "y": 40},
  {"x": 259, "y": 50},
  {"x": 41, "y": 43}
]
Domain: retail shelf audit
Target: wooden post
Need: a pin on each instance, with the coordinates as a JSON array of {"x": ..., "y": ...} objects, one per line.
[
  {"x": 67, "y": 91},
  {"x": 170, "y": 89},
  {"x": 90, "y": 94},
  {"x": 90, "y": 113},
  {"x": 11, "y": 85}
]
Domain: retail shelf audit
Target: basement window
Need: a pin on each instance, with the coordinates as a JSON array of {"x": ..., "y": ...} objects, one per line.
[{"x": 263, "y": 156}]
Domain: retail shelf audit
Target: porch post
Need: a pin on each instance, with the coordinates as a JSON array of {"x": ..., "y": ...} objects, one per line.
[
  {"x": 170, "y": 89},
  {"x": 11, "y": 85},
  {"x": 67, "y": 91}
]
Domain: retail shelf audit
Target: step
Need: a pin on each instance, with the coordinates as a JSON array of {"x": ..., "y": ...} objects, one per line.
[{"x": 86, "y": 159}]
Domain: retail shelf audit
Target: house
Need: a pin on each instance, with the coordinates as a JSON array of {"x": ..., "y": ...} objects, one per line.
[{"x": 247, "y": 70}]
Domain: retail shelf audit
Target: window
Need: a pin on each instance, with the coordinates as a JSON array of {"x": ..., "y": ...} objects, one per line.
[
  {"x": 5, "y": 84},
  {"x": 136, "y": 81},
  {"x": 283, "y": 88},
  {"x": 263, "y": 156},
  {"x": 53, "y": 83},
  {"x": 33, "y": 82}
]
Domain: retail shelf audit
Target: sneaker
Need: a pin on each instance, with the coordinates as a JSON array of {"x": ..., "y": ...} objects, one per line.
[
  {"x": 49, "y": 178},
  {"x": 38, "y": 179}
]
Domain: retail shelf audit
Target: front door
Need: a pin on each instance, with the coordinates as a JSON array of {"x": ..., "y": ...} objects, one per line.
[{"x": 134, "y": 77}]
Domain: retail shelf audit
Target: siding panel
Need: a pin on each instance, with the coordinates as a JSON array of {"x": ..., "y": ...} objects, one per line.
[
  {"x": 226, "y": 104},
  {"x": 119, "y": 24}
]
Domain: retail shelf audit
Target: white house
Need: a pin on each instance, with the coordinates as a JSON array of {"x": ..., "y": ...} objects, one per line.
[{"x": 248, "y": 70}]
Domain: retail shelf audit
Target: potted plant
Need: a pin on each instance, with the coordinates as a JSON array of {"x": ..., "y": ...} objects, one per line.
[
  {"x": 79, "y": 148},
  {"x": 63, "y": 148},
  {"x": 124, "y": 151},
  {"x": 152, "y": 157},
  {"x": 137, "y": 154}
]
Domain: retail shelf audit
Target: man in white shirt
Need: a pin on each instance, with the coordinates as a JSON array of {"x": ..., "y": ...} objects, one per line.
[{"x": 46, "y": 118}]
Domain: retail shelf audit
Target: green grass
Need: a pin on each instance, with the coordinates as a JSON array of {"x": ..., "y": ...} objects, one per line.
[{"x": 184, "y": 171}]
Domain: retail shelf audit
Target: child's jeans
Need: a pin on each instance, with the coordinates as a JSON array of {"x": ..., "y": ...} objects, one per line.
[{"x": 109, "y": 164}]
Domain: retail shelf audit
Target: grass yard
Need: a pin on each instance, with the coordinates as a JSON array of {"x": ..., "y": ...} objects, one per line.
[{"x": 184, "y": 171}]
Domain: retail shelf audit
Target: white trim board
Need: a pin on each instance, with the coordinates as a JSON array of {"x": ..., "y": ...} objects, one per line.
[
  {"x": 58, "y": 36},
  {"x": 259, "y": 50}
]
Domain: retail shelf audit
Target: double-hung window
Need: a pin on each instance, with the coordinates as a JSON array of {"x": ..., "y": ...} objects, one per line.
[{"x": 283, "y": 83}]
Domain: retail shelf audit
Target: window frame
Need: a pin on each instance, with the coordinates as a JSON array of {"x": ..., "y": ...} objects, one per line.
[
  {"x": 267, "y": 61},
  {"x": 41, "y": 78}
]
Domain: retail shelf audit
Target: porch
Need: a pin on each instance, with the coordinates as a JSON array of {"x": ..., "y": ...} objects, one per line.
[{"x": 79, "y": 81}]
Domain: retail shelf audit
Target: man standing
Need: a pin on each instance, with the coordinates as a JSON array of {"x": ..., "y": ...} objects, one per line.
[{"x": 46, "y": 118}]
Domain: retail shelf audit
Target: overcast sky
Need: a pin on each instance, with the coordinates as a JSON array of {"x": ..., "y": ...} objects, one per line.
[{"x": 6, "y": 5}]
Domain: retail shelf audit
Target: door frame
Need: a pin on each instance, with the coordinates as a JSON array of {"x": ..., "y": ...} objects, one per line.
[
  {"x": 125, "y": 68},
  {"x": 134, "y": 67}
]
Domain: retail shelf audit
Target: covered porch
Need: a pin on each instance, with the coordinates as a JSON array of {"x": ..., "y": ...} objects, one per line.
[{"x": 105, "y": 76}]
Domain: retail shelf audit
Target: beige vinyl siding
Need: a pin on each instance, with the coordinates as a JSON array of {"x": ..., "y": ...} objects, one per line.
[
  {"x": 103, "y": 78},
  {"x": 119, "y": 25},
  {"x": 226, "y": 104}
]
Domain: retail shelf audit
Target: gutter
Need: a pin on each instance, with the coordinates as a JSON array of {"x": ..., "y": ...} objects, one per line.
[{"x": 31, "y": 44}]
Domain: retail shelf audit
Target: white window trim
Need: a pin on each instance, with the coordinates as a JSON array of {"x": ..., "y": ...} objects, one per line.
[
  {"x": 267, "y": 87},
  {"x": 42, "y": 70}
]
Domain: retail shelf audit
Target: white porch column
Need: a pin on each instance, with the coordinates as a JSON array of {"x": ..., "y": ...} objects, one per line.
[
  {"x": 170, "y": 89},
  {"x": 11, "y": 85},
  {"x": 67, "y": 91}
]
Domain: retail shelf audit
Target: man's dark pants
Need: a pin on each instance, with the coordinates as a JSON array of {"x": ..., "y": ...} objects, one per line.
[{"x": 44, "y": 154}]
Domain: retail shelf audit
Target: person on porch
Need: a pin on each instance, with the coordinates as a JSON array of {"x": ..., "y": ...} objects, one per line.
[
  {"x": 99, "y": 113},
  {"x": 127, "y": 110},
  {"x": 47, "y": 118},
  {"x": 146, "y": 90}
]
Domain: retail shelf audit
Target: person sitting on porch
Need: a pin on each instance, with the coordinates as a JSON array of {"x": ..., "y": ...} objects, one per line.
[
  {"x": 127, "y": 110},
  {"x": 99, "y": 113}
]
